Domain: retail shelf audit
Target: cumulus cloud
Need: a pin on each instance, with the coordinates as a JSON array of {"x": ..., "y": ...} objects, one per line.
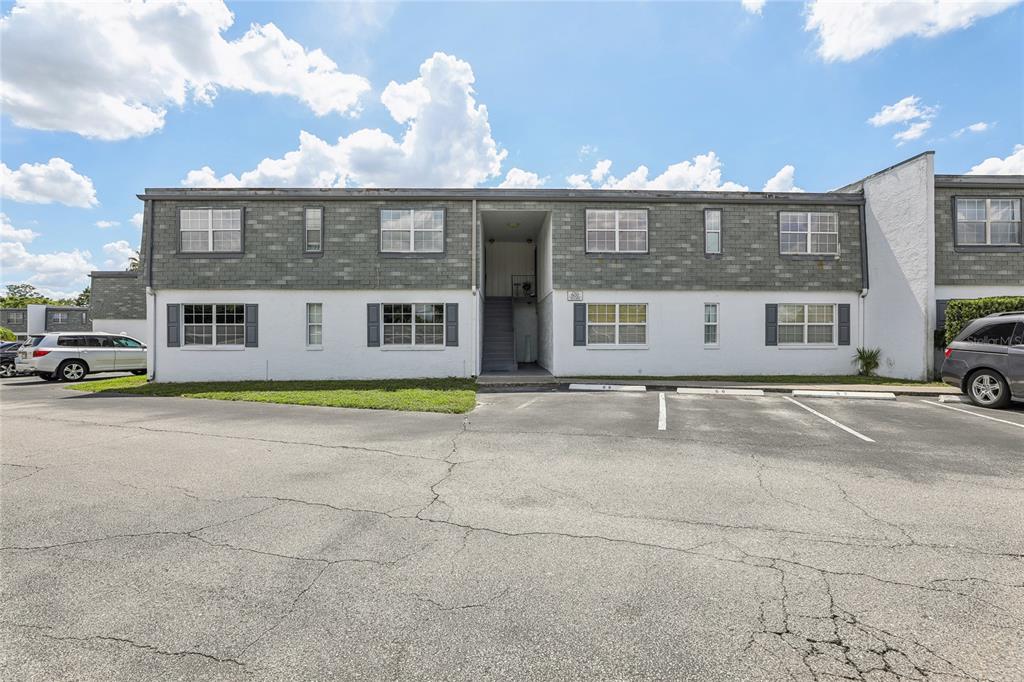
[
  {"x": 979, "y": 127},
  {"x": 110, "y": 70},
  {"x": 753, "y": 6},
  {"x": 851, "y": 29},
  {"x": 106, "y": 224},
  {"x": 783, "y": 181},
  {"x": 703, "y": 172},
  {"x": 10, "y": 233},
  {"x": 136, "y": 220},
  {"x": 909, "y": 110},
  {"x": 517, "y": 178},
  {"x": 119, "y": 254},
  {"x": 1011, "y": 165},
  {"x": 59, "y": 274},
  {"x": 46, "y": 183},
  {"x": 447, "y": 142}
]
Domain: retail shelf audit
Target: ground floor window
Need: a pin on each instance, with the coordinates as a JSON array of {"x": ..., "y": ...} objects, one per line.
[
  {"x": 710, "y": 324},
  {"x": 413, "y": 324},
  {"x": 214, "y": 324},
  {"x": 616, "y": 324},
  {"x": 806, "y": 324},
  {"x": 314, "y": 324}
]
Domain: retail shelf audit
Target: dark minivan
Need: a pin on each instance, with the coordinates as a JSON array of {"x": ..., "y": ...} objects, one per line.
[{"x": 986, "y": 360}]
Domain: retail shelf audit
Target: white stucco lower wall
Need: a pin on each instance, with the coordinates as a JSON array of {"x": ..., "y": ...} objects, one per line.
[
  {"x": 282, "y": 351},
  {"x": 137, "y": 329},
  {"x": 675, "y": 336},
  {"x": 946, "y": 292}
]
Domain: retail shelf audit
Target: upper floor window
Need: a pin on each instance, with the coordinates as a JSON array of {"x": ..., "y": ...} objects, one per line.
[
  {"x": 413, "y": 324},
  {"x": 806, "y": 324},
  {"x": 988, "y": 222},
  {"x": 60, "y": 318},
  {"x": 808, "y": 233},
  {"x": 411, "y": 230},
  {"x": 214, "y": 324},
  {"x": 616, "y": 324},
  {"x": 15, "y": 316},
  {"x": 616, "y": 231},
  {"x": 713, "y": 230},
  {"x": 211, "y": 230},
  {"x": 314, "y": 233}
]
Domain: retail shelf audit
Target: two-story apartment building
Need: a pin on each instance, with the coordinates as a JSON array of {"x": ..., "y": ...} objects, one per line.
[{"x": 369, "y": 283}]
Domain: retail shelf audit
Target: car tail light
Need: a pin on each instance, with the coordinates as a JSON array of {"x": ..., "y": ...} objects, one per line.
[
  {"x": 949, "y": 351},
  {"x": 39, "y": 353}
]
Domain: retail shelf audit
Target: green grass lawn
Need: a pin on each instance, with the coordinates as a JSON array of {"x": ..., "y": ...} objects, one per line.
[
  {"x": 415, "y": 395},
  {"x": 776, "y": 379}
]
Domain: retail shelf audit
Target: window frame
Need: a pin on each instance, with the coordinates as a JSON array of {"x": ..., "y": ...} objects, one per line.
[
  {"x": 214, "y": 325},
  {"x": 617, "y": 250},
  {"x": 412, "y": 324},
  {"x": 305, "y": 230},
  {"x": 59, "y": 317},
  {"x": 806, "y": 324},
  {"x": 617, "y": 324},
  {"x": 808, "y": 251},
  {"x": 721, "y": 217},
  {"x": 211, "y": 252},
  {"x": 412, "y": 251},
  {"x": 987, "y": 244},
  {"x": 717, "y": 324},
  {"x": 310, "y": 325}
]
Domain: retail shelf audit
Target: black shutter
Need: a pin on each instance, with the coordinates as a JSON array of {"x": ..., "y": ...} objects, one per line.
[
  {"x": 844, "y": 324},
  {"x": 252, "y": 337},
  {"x": 373, "y": 324},
  {"x": 451, "y": 324},
  {"x": 173, "y": 325},
  {"x": 579, "y": 324},
  {"x": 771, "y": 324}
]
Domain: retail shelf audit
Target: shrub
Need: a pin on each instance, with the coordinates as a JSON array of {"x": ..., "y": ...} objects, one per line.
[
  {"x": 962, "y": 310},
  {"x": 7, "y": 335},
  {"x": 867, "y": 360}
]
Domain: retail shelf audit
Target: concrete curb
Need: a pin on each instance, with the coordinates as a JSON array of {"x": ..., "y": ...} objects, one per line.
[
  {"x": 720, "y": 391},
  {"x": 861, "y": 395},
  {"x": 622, "y": 388}
]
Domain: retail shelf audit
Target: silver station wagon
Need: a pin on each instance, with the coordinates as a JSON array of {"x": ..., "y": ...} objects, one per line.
[
  {"x": 986, "y": 360},
  {"x": 70, "y": 356}
]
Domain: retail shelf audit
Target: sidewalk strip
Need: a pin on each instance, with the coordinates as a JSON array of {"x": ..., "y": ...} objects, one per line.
[
  {"x": 720, "y": 391},
  {"x": 662, "y": 412},
  {"x": 606, "y": 387},
  {"x": 830, "y": 420},
  {"x": 975, "y": 414},
  {"x": 868, "y": 395}
]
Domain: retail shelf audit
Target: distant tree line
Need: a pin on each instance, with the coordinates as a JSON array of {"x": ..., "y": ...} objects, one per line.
[{"x": 21, "y": 295}]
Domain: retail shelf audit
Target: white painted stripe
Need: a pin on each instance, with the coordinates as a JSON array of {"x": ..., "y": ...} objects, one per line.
[
  {"x": 975, "y": 414},
  {"x": 606, "y": 387},
  {"x": 662, "y": 412},
  {"x": 720, "y": 391},
  {"x": 830, "y": 420},
  {"x": 954, "y": 399},
  {"x": 529, "y": 402},
  {"x": 868, "y": 395}
]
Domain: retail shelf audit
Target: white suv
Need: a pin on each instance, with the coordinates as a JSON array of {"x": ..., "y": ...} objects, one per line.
[{"x": 69, "y": 356}]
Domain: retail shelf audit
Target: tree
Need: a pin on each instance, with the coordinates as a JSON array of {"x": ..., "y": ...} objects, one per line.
[
  {"x": 21, "y": 295},
  {"x": 135, "y": 262},
  {"x": 83, "y": 298},
  {"x": 7, "y": 335}
]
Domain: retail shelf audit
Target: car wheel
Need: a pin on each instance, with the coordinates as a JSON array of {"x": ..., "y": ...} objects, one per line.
[
  {"x": 138, "y": 372},
  {"x": 987, "y": 388},
  {"x": 7, "y": 370},
  {"x": 72, "y": 370}
]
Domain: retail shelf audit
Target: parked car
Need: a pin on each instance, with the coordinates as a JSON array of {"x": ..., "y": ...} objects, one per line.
[
  {"x": 8, "y": 353},
  {"x": 986, "y": 360},
  {"x": 70, "y": 356}
]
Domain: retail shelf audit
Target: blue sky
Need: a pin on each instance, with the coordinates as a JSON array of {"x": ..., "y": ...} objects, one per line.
[{"x": 713, "y": 95}]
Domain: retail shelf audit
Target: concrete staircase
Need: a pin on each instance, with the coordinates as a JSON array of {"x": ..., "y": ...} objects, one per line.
[{"x": 499, "y": 339}]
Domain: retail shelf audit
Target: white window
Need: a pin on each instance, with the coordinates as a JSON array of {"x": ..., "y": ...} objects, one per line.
[
  {"x": 711, "y": 324},
  {"x": 211, "y": 229},
  {"x": 616, "y": 324},
  {"x": 214, "y": 324},
  {"x": 314, "y": 230},
  {"x": 413, "y": 324},
  {"x": 616, "y": 231},
  {"x": 988, "y": 222},
  {"x": 15, "y": 317},
  {"x": 713, "y": 230},
  {"x": 412, "y": 230},
  {"x": 314, "y": 324},
  {"x": 808, "y": 233},
  {"x": 60, "y": 318},
  {"x": 811, "y": 324}
]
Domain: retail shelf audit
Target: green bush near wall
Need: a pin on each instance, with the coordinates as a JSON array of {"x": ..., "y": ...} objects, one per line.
[
  {"x": 961, "y": 311},
  {"x": 6, "y": 334}
]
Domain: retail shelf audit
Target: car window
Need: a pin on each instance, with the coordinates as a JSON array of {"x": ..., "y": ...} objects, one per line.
[
  {"x": 98, "y": 342},
  {"x": 125, "y": 342},
  {"x": 998, "y": 334},
  {"x": 1018, "y": 336},
  {"x": 33, "y": 341},
  {"x": 70, "y": 341}
]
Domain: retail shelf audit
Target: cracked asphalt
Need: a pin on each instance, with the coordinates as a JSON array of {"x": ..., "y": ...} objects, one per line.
[{"x": 542, "y": 536}]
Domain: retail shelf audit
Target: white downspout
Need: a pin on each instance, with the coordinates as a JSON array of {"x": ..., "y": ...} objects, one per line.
[
  {"x": 861, "y": 305},
  {"x": 476, "y": 300}
]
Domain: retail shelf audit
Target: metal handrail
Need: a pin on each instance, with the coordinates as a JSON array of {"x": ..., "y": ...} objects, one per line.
[{"x": 524, "y": 286}]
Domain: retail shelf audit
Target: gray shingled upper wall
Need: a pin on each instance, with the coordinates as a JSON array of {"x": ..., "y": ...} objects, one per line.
[
  {"x": 15, "y": 319},
  {"x": 973, "y": 265},
  {"x": 117, "y": 296},
  {"x": 78, "y": 319}
]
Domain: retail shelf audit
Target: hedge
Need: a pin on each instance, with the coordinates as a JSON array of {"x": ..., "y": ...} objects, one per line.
[
  {"x": 7, "y": 335},
  {"x": 961, "y": 311}
]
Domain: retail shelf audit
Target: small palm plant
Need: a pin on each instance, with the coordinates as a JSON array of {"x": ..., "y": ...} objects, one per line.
[{"x": 867, "y": 359}]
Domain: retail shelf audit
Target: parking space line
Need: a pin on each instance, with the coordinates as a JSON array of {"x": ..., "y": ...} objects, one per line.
[
  {"x": 830, "y": 420},
  {"x": 529, "y": 402},
  {"x": 975, "y": 414},
  {"x": 662, "y": 412}
]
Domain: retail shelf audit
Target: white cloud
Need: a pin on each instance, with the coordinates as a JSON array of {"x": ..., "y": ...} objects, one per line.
[
  {"x": 110, "y": 70},
  {"x": 586, "y": 151},
  {"x": 910, "y": 111},
  {"x": 783, "y": 181},
  {"x": 979, "y": 127},
  {"x": 136, "y": 220},
  {"x": 753, "y": 6},
  {"x": 703, "y": 173},
  {"x": 913, "y": 132},
  {"x": 46, "y": 183},
  {"x": 59, "y": 273},
  {"x": 1011, "y": 165},
  {"x": 517, "y": 178},
  {"x": 10, "y": 233},
  {"x": 851, "y": 29},
  {"x": 106, "y": 224},
  {"x": 119, "y": 254},
  {"x": 447, "y": 142}
]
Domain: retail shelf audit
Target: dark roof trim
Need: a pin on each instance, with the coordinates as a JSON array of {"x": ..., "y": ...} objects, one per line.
[
  {"x": 114, "y": 273},
  {"x": 984, "y": 181},
  {"x": 495, "y": 194}
]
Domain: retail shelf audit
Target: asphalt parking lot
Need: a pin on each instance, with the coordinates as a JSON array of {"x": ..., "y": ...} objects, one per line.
[{"x": 542, "y": 536}]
